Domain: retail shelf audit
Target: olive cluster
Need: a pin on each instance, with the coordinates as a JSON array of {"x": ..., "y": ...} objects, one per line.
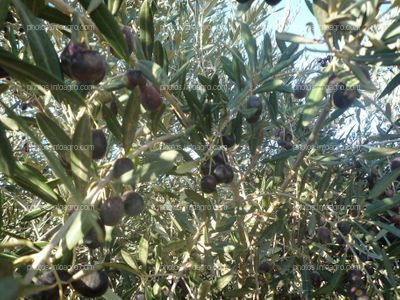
[
  {"x": 114, "y": 208},
  {"x": 149, "y": 95},
  {"x": 216, "y": 170}
]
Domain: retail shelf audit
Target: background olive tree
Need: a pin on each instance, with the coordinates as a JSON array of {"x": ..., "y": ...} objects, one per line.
[{"x": 301, "y": 169}]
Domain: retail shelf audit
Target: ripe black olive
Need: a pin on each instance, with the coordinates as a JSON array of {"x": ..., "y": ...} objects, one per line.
[
  {"x": 99, "y": 143},
  {"x": 150, "y": 98},
  {"x": 92, "y": 285},
  {"x": 84, "y": 65},
  {"x": 122, "y": 166},
  {"x": 208, "y": 184},
  {"x": 112, "y": 211},
  {"x": 324, "y": 235},
  {"x": 133, "y": 203},
  {"x": 223, "y": 173},
  {"x": 254, "y": 103}
]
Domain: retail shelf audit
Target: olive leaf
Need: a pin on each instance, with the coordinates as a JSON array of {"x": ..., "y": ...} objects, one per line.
[
  {"x": 81, "y": 154},
  {"x": 7, "y": 160},
  {"x": 146, "y": 28},
  {"x": 131, "y": 119},
  {"x": 109, "y": 27},
  {"x": 42, "y": 48},
  {"x": 314, "y": 99}
]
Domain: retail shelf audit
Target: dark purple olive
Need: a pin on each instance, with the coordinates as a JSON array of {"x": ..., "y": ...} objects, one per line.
[
  {"x": 207, "y": 167},
  {"x": 99, "y": 143},
  {"x": 343, "y": 97},
  {"x": 122, "y": 166},
  {"x": 92, "y": 285},
  {"x": 208, "y": 184},
  {"x": 24, "y": 106},
  {"x": 85, "y": 65},
  {"x": 344, "y": 227},
  {"x": 223, "y": 173},
  {"x": 126, "y": 32},
  {"x": 112, "y": 211},
  {"x": 47, "y": 279},
  {"x": 133, "y": 203},
  {"x": 254, "y": 103},
  {"x": 340, "y": 240},
  {"x": 264, "y": 267},
  {"x": 324, "y": 235},
  {"x": 150, "y": 98},
  {"x": 228, "y": 140},
  {"x": 370, "y": 270},
  {"x": 135, "y": 78},
  {"x": 10, "y": 18},
  {"x": 272, "y": 2},
  {"x": 220, "y": 157},
  {"x": 316, "y": 279},
  {"x": 300, "y": 91},
  {"x": 285, "y": 144},
  {"x": 354, "y": 276},
  {"x": 395, "y": 163}
]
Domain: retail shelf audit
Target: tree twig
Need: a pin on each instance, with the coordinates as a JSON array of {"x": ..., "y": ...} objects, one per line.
[{"x": 311, "y": 139}]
